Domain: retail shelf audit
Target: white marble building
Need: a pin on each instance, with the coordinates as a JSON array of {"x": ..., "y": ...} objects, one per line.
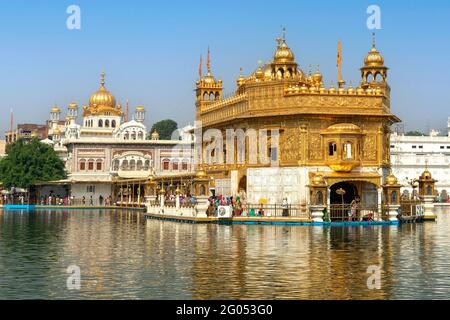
[
  {"x": 411, "y": 154},
  {"x": 106, "y": 147}
]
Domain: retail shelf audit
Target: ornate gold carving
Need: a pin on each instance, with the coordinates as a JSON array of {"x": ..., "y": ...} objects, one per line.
[
  {"x": 370, "y": 148},
  {"x": 292, "y": 145},
  {"x": 315, "y": 147}
]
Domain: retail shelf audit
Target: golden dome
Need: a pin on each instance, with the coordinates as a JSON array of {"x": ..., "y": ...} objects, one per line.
[
  {"x": 283, "y": 53},
  {"x": 57, "y": 131},
  {"x": 209, "y": 79},
  {"x": 348, "y": 128},
  {"x": 102, "y": 102},
  {"x": 140, "y": 108},
  {"x": 259, "y": 73},
  {"x": 426, "y": 175},
  {"x": 332, "y": 90},
  {"x": 155, "y": 135},
  {"x": 317, "y": 77},
  {"x": 56, "y": 109},
  {"x": 241, "y": 80},
  {"x": 318, "y": 179},
  {"x": 374, "y": 58},
  {"x": 73, "y": 105},
  {"x": 391, "y": 180},
  {"x": 201, "y": 173}
]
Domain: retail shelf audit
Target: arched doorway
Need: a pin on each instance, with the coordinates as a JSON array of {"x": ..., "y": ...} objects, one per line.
[
  {"x": 243, "y": 184},
  {"x": 337, "y": 197}
]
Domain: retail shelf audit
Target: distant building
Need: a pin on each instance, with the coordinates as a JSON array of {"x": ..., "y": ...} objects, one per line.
[
  {"x": 410, "y": 154},
  {"x": 2, "y": 148},
  {"x": 27, "y": 131}
]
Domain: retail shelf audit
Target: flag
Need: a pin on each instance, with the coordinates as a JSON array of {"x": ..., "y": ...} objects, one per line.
[
  {"x": 339, "y": 60},
  {"x": 208, "y": 62}
]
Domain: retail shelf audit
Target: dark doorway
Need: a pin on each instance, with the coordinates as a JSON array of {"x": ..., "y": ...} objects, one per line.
[
  {"x": 350, "y": 193},
  {"x": 243, "y": 184}
]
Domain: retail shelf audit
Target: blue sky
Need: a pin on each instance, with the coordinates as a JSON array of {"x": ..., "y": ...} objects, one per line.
[{"x": 150, "y": 51}]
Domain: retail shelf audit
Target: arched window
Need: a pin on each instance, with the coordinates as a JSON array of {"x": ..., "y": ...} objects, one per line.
[
  {"x": 184, "y": 166},
  {"x": 132, "y": 165},
  {"x": 107, "y": 123},
  {"x": 141, "y": 135},
  {"x": 125, "y": 165},
  {"x": 347, "y": 151},
  {"x": 116, "y": 165},
  {"x": 429, "y": 191},
  {"x": 82, "y": 165},
  {"x": 175, "y": 166},
  {"x": 206, "y": 96},
  {"x": 166, "y": 163},
  {"x": 99, "y": 166},
  {"x": 394, "y": 197},
  {"x": 113, "y": 123},
  {"x": 100, "y": 123},
  {"x": 217, "y": 96},
  {"x": 332, "y": 148},
  {"x": 147, "y": 165},
  {"x": 139, "y": 165},
  {"x": 133, "y": 136},
  {"x": 319, "y": 198},
  {"x": 126, "y": 136},
  {"x": 91, "y": 165}
]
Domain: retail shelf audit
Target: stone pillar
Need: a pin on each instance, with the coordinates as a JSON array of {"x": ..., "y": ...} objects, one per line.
[
  {"x": 392, "y": 212},
  {"x": 428, "y": 206},
  {"x": 317, "y": 213},
  {"x": 201, "y": 206}
]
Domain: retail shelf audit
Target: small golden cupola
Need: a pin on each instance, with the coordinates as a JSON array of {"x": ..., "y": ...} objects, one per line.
[
  {"x": 208, "y": 89},
  {"x": 283, "y": 65},
  {"x": 374, "y": 72},
  {"x": 426, "y": 184},
  {"x": 102, "y": 102}
]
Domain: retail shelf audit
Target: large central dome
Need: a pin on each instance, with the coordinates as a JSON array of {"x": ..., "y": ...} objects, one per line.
[
  {"x": 102, "y": 102},
  {"x": 283, "y": 53}
]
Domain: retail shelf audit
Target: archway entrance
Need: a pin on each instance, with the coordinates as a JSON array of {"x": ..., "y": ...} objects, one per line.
[
  {"x": 243, "y": 184},
  {"x": 343, "y": 193}
]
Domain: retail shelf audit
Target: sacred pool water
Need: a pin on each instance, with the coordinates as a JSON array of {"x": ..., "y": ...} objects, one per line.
[{"x": 121, "y": 255}]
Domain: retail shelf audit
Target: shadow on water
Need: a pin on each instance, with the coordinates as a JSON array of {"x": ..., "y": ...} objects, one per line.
[{"x": 122, "y": 255}]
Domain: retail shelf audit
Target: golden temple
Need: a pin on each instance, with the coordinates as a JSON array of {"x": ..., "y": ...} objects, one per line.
[{"x": 338, "y": 133}]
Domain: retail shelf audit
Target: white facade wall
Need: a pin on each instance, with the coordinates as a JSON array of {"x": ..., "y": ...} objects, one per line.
[
  {"x": 410, "y": 155},
  {"x": 274, "y": 184}
]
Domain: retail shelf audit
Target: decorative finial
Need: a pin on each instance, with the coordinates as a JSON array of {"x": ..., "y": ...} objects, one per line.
[
  {"x": 284, "y": 33},
  {"x": 240, "y": 71},
  {"x": 102, "y": 82},
  {"x": 310, "y": 69},
  {"x": 318, "y": 68}
]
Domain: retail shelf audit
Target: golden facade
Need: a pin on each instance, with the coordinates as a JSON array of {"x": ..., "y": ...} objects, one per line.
[{"x": 340, "y": 133}]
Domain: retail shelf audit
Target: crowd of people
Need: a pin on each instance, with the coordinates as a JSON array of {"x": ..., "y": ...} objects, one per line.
[
  {"x": 57, "y": 200},
  {"x": 219, "y": 200}
]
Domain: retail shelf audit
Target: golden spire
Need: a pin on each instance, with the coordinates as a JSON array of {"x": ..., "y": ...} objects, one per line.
[
  {"x": 102, "y": 82},
  {"x": 208, "y": 61}
]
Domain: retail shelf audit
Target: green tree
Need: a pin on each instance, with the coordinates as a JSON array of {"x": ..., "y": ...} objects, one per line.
[
  {"x": 414, "y": 133},
  {"x": 165, "y": 128},
  {"x": 29, "y": 162}
]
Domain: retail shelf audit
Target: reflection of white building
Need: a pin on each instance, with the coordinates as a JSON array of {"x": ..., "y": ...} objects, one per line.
[
  {"x": 411, "y": 154},
  {"x": 105, "y": 148}
]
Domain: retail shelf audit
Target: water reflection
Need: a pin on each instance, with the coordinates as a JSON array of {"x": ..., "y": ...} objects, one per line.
[{"x": 122, "y": 255}]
